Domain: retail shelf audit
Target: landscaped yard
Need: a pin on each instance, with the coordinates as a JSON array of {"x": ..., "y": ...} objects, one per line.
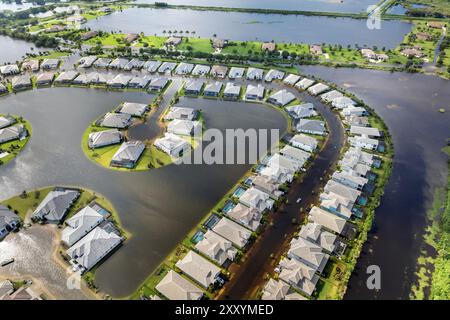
[{"x": 14, "y": 147}]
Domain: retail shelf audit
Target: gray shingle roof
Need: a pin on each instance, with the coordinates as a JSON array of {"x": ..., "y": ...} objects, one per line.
[{"x": 55, "y": 205}]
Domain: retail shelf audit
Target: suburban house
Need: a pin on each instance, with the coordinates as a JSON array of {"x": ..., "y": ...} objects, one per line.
[
  {"x": 76, "y": 19},
  {"x": 328, "y": 220},
  {"x": 365, "y": 131},
  {"x": 279, "y": 290},
  {"x": 181, "y": 113},
  {"x": 273, "y": 74},
  {"x": 254, "y": 92},
  {"x": 139, "y": 82},
  {"x": 50, "y": 64},
  {"x": 199, "y": 269},
  {"x": 55, "y": 205},
  {"x": 21, "y": 82},
  {"x": 255, "y": 73},
  {"x": 184, "y": 68},
  {"x": 285, "y": 162},
  {"x": 277, "y": 173},
  {"x": 24, "y": 293},
  {"x": 102, "y": 63},
  {"x": 115, "y": 120},
  {"x": 134, "y": 64},
  {"x": 363, "y": 142},
  {"x": 185, "y": 127},
  {"x": 424, "y": 36},
  {"x": 298, "y": 275},
  {"x": 317, "y": 89},
  {"x": 342, "y": 190},
  {"x": 104, "y": 138},
  {"x": 267, "y": 185},
  {"x": 353, "y": 120},
  {"x": 268, "y": 46},
  {"x": 304, "y": 84},
  {"x": 329, "y": 96},
  {"x": 131, "y": 37},
  {"x": 216, "y": 247},
  {"x": 158, "y": 84},
  {"x": 9, "y": 221},
  {"x": 412, "y": 52},
  {"x": 311, "y": 126},
  {"x": 355, "y": 155},
  {"x": 350, "y": 180},
  {"x": 175, "y": 287},
  {"x": 82, "y": 79},
  {"x": 66, "y": 77},
  {"x": 193, "y": 87},
  {"x": 86, "y": 62},
  {"x": 298, "y": 111},
  {"x": 342, "y": 102},
  {"x": 304, "y": 142},
  {"x": 212, "y": 89},
  {"x": 133, "y": 109},
  {"x": 255, "y": 198},
  {"x": 152, "y": 65},
  {"x": 281, "y": 98},
  {"x": 11, "y": 133},
  {"x": 219, "y": 43},
  {"x": 3, "y": 89},
  {"x": 291, "y": 79},
  {"x": 233, "y": 232},
  {"x": 118, "y": 63},
  {"x": 6, "y": 121},
  {"x": 30, "y": 65},
  {"x": 88, "y": 35},
  {"x": 436, "y": 24},
  {"x": 173, "y": 41},
  {"x": 351, "y": 164},
  {"x": 6, "y": 288},
  {"x": 314, "y": 232},
  {"x": 120, "y": 81},
  {"x": 172, "y": 145},
  {"x": 316, "y": 49},
  {"x": 9, "y": 69},
  {"x": 336, "y": 204},
  {"x": 308, "y": 253},
  {"x": 232, "y": 91},
  {"x": 56, "y": 28},
  {"x": 80, "y": 225},
  {"x": 236, "y": 73},
  {"x": 128, "y": 154},
  {"x": 354, "y": 111},
  {"x": 295, "y": 154},
  {"x": 92, "y": 248},
  {"x": 201, "y": 70},
  {"x": 247, "y": 216},
  {"x": 219, "y": 71},
  {"x": 167, "y": 67}
]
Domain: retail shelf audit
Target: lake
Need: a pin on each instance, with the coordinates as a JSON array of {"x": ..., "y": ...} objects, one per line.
[
  {"x": 12, "y": 50},
  {"x": 409, "y": 105},
  {"x": 252, "y": 26}
]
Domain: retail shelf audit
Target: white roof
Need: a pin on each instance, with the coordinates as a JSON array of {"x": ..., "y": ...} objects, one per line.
[
  {"x": 274, "y": 75},
  {"x": 318, "y": 88},
  {"x": 328, "y": 220},
  {"x": 254, "y": 73},
  {"x": 198, "y": 268},
  {"x": 185, "y": 127},
  {"x": 366, "y": 131},
  {"x": 248, "y": 217},
  {"x": 232, "y": 231},
  {"x": 304, "y": 140},
  {"x": 175, "y": 287},
  {"x": 295, "y": 153},
  {"x": 255, "y": 198},
  {"x": 299, "y": 275},
  {"x": 291, "y": 79},
  {"x": 232, "y": 89},
  {"x": 304, "y": 84},
  {"x": 236, "y": 72},
  {"x": 275, "y": 290},
  {"x": 80, "y": 224},
  {"x": 304, "y": 110},
  {"x": 129, "y": 151},
  {"x": 200, "y": 69},
  {"x": 283, "y": 97},
  {"x": 308, "y": 253},
  {"x": 257, "y": 90},
  {"x": 216, "y": 247},
  {"x": 104, "y": 137},
  {"x": 314, "y": 232},
  {"x": 342, "y": 190},
  {"x": 134, "y": 109}
]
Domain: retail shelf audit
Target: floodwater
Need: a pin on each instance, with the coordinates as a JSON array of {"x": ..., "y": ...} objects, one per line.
[
  {"x": 158, "y": 207},
  {"x": 409, "y": 105},
  {"x": 353, "y": 6},
  {"x": 12, "y": 50},
  {"x": 253, "y": 26}
]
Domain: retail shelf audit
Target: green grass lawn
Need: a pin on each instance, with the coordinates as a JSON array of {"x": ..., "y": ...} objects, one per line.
[
  {"x": 14, "y": 147},
  {"x": 196, "y": 45},
  {"x": 22, "y": 205},
  {"x": 242, "y": 47},
  {"x": 152, "y": 41}
]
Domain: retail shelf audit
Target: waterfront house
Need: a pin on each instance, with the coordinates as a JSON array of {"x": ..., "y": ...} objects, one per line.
[
  {"x": 219, "y": 71},
  {"x": 102, "y": 63},
  {"x": 308, "y": 253},
  {"x": 11, "y": 133},
  {"x": 131, "y": 37},
  {"x": 342, "y": 190},
  {"x": 199, "y": 269},
  {"x": 255, "y": 73},
  {"x": 104, "y": 78},
  {"x": 279, "y": 290},
  {"x": 9, "y": 221},
  {"x": 6, "y": 289},
  {"x": 316, "y": 50},
  {"x": 80, "y": 225},
  {"x": 175, "y": 287},
  {"x": 185, "y": 127},
  {"x": 291, "y": 79},
  {"x": 298, "y": 111},
  {"x": 21, "y": 82},
  {"x": 152, "y": 65},
  {"x": 298, "y": 275},
  {"x": 311, "y": 126},
  {"x": 281, "y": 98},
  {"x": 82, "y": 79},
  {"x": 342, "y": 103},
  {"x": 336, "y": 204},
  {"x": 115, "y": 120},
  {"x": 184, "y": 68},
  {"x": 267, "y": 185},
  {"x": 254, "y": 92},
  {"x": 255, "y": 198},
  {"x": 247, "y": 216},
  {"x": 328, "y": 220},
  {"x": 200, "y": 70},
  {"x": 216, "y": 247},
  {"x": 233, "y": 232},
  {"x": 278, "y": 173},
  {"x": 55, "y": 205},
  {"x": 30, "y": 65},
  {"x": 172, "y": 145},
  {"x": 315, "y": 233},
  {"x": 232, "y": 91},
  {"x": 167, "y": 67},
  {"x": 353, "y": 120},
  {"x": 173, "y": 41},
  {"x": 56, "y": 28},
  {"x": 45, "y": 78},
  {"x": 236, "y": 73},
  {"x": 9, "y": 69},
  {"x": 219, "y": 43},
  {"x": 304, "y": 84},
  {"x": 76, "y": 19},
  {"x": 274, "y": 74},
  {"x": 158, "y": 84},
  {"x": 285, "y": 162},
  {"x": 86, "y": 62},
  {"x": 193, "y": 87},
  {"x": 354, "y": 111},
  {"x": 6, "y": 121},
  {"x": 412, "y": 52},
  {"x": 364, "y": 142},
  {"x": 104, "y": 138},
  {"x": 268, "y": 46},
  {"x": 89, "y": 35},
  {"x": 212, "y": 89},
  {"x": 50, "y": 64},
  {"x": 92, "y": 248},
  {"x": 133, "y": 109},
  {"x": 436, "y": 24},
  {"x": 329, "y": 96},
  {"x": 365, "y": 131},
  {"x": 295, "y": 154},
  {"x": 139, "y": 82},
  {"x": 181, "y": 113},
  {"x": 356, "y": 155},
  {"x": 66, "y": 77},
  {"x": 120, "y": 81},
  {"x": 118, "y": 63},
  {"x": 128, "y": 154},
  {"x": 134, "y": 64},
  {"x": 350, "y": 180},
  {"x": 304, "y": 142},
  {"x": 424, "y": 36},
  {"x": 317, "y": 89},
  {"x": 368, "y": 53},
  {"x": 351, "y": 164}
]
